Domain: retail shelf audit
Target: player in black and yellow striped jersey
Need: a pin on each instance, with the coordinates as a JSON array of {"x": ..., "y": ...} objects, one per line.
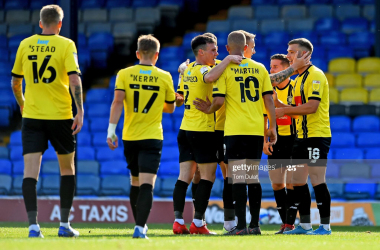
[
  {"x": 244, "y": 88},
  {"x": 280, "y": 155},
  {"x": 49, "y": 64},
  {"x": 312, "y": 144},
  {"x": 144, "y": 91}
]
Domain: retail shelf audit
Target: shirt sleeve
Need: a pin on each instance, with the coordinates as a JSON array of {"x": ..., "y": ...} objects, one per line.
[
  {"x": 170, "y": 93},
  {"x": 180, "y": 84},
  {"x": 204, "y": 70},
  {"x": 219, "y": 87},
  {"x": 17, "y": 70},
  {"x": 267, "y": 85},
  {"x": 119, "y": 85},
  {"x": 71, "y": 60},
  {"x": 316, "y": 85},
  {"x": 265, "y": 113}
]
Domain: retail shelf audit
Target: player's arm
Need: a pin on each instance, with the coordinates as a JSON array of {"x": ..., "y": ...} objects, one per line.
[
  {"x": 305, "y": 109},
  {"x": 298, "y": 63},
  {"x": 279, "y": 104},
  {"x": 218, "y": 70},
  {"x": 169, "y": 107},
  {"x": 76, "y": 90},
  {"x": 271, "y": 133},
  {"x": 207, "y": 107},
  {"x": 116, "y": 110},
  {"x": 17, "y": 91}
]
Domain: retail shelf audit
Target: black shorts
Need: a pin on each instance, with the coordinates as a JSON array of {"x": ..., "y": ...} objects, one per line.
[
  {"x": 240, "y": 147},
  {"x": 312, "y": 151},
  {"x": 143, "y": 156},
  {"x": 282, "y": 151},
  {"x": 197, "y": 146},
  {"x": 220, "y": 148},
  {"x": 36, "y": 133}
]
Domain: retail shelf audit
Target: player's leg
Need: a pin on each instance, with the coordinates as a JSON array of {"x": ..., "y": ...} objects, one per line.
[
  {"x": 277, "y": 177},
  {"x": 291, "y": 208},
  {"x": 134, "y": 194},
  {"x": 194, "y": 184},
  {"x": 34, "y": 143},
  {"x": 228, "y": 202},
  {"x": 60, "y": 136}
]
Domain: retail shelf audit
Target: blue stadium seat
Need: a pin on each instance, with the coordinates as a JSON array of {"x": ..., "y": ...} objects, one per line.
[
  {"x": 340, "y": 52},
  {"x": 99, "y": 124},
  {"x": 217, "y": 26},
  {"x": 3, "y": 42},
  {"x": 372, "y": 153},
  {"x": 17, "y": 185},
  {"x": 169, "y": 168},
  {"x": 5, "y": 57},
  {"x": 167, "y": 186},
  {"x": 5, "y": 167},
  {"x": 14, "y": 41},
  {"x": 188, "y": 37},
  {"x": 262, "y": 2},
  {"x": 368, "y": 140},
  {"x": 49, "y": 154},
  {"x": 310, "y": 35},
  {"x": 247, "y": 25},
  {"x": 324, "y": 25},
  {"x": 50, "y": 168},
  {"x": 157, "y": 187},
  {"x": 340, "y": 123},
  {"x": 362, "y": 39},
  {"x": 167, "y": 124},
  {"x": 170, "y": 154},
  {"x": 362, "y": 2},
  {"x": 240, "y": 13},
  {"x": 266, "y": 12},
  {"x": 320, "y": 10},
  {"x": 82, "y": 40},
  {"x": 357, "y": 190},
  {"x": 16, "y": 153},
  {"x": 144, "y": 3},
  {"x": 116, "y": 167},
  {"x": 98, "y": 110},
  {"x": 115, "y": 185},
  {"x": 84, "y": 58},
  {"x": 84, "y": 139},
  {"x": 332, "y": 170},
  {"x": 217, "y": 189},
  {"x": 88, "y": 168},
  {"x": 18, "y": 168},
  {"x": 38, "y": 4},
  {"x": 336, "y": 189},
  {"x": 5, "y": 184},
  {"x": 339, "y": 2},
  {"x": 366, "y": 123},
  {"x": 170, "y": 139},
  {"x": 5, "y": 113},
  {"x": 118, "y": 3},
  {"x": 377, "y": 195},
  {"x": 90, "y": 4},
  {"x": 106, "y": 154},
  {"x": 50, "y": 184},
  {"x": 355, "y": 170},
  {"x": 375, "y": 171},
  {"x": 349, "y": 154},
  {"x": 98, "y": 96},
  {"x": 16, "y": 139},
  {"x": 16, "y": 4},
  {"x": 293, "y": 12},
  {"x": 7, "y": 101},
  {"x": 320, "y": 63},
  {"x": 346, "y": 140},
  {"x": 282, "y": 2},
  {"x": 99, "y": 139},
  {"x": 85, "y": 153},
  {"x": 272, "y": 25},
  {"x": 222, "y": 38},
  {"x": 88, "y": 185},
  {"x": 333, "y": 38},
  {"x": 4, "y": 152},
  {"x": 178, "y": 112},
  {"x": 172, "y": 53},
  {"x": 351, "y": 25},
  {"x": 347, "y": 10},
  {"x": 276, "y": 38}
]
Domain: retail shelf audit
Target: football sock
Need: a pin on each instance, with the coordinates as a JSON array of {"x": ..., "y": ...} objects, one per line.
[
  {"x": 66, "y": 194},
  {"x": 228, "y": 202},
  {"x": 198, "y": 222},
  {"x": 240, "y": 199},
  {"x": 323, "y": 199},
  {"x": 179, "y": 196},
  {"x": 64, "y": 224},
  {"x": 280, "y": 197},
  {"x": 201, "y": 198},
  {"x": 144, "y": 204},
  {"x": 303, "y": 202},
  {"x": 133, "y": 199},
  {"x": 34, "y": 227},
  {"x": 306, "y": 226},
  {"x": 180, "y": 221},
  {"x": 29, "y": 191},
  {"x": 254, "y": 194},
  {"x": 326, "y": 226},
  {"x": 141, "y": 229},
  {"x": 229, "y": 225},
  {"x": 193, "y": 192},
  {"x": 291, "y": 208}
]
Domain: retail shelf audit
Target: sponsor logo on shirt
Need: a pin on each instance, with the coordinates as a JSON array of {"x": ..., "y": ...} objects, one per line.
[
  {"x": 243, "y": 65},
  {"x": 145, "y": 72},
  {"x": 45, "y": 42}
]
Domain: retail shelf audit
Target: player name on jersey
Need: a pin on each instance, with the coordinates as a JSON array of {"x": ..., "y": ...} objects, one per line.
[{"x": 244, "y": 70}]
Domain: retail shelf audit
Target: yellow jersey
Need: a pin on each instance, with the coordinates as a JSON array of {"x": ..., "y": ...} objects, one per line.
[
  {"x": 146, "y": 88},
  {"x": 286, "y": 125},
  {"x": 46, "y": 61},
  {"x": 193, "y": 86},
  {"x": 243, "y": 87},
  {"x": 312, "y": 85}
]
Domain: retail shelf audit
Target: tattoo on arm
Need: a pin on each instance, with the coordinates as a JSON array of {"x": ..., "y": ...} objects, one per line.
[
  {"x": 281, "y": 76},
  {"x": 78, "y": 96},
  {"x": 17, "y": 90}
]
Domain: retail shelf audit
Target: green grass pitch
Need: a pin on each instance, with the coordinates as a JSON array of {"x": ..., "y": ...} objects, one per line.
[{"x": 119, "y": 236}]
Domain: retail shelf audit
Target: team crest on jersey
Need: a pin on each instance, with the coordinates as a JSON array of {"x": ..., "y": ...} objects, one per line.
[
  {"x": 316, "y": 85},
  {"x": 203, "y": 70},
  {"x": 76, "y": 58},
  {"x": 289, "y": 99}
]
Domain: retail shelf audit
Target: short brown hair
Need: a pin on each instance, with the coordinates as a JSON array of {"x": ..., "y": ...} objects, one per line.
[
  {"x": 200, "y": 42},
  {"x": 304, "y": 43},
  {"x": 211, "y": 35},
  {"x": 148, "y": 45},
  {"x": 236, "y": 39},
  {"x": 248, "y": 36},
  {"x": 284, "y": 61},
  {"x": 51, "y": 15}
]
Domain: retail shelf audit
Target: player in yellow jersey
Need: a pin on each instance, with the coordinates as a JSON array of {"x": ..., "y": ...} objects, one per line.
[
  {"x": 281, "y": 153},
  {"x": 311, "y": 104},
  {"x": 244, "y": 88},
  {"x": 48, "y": 63},
  {"x": 144, "y": 91}
]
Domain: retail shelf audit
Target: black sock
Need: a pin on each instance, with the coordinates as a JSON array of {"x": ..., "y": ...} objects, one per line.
[
  {"x": 179, "y": 196},
  {"x": 228, "y": 201},
  {"x": 202, "y": 197},
  {"x": 133, "y": 199},
  {"x": 323, "y": 199},
  {"x": 144, "y": 204},
  {"x": 291, "y": 208},
  {"x": 280, "y": 197},
  {"x": 66, "y": 193},
  {"x": 254, "y": 194},
  {"x": 240, "y": 197},
  {"x": 193, "y": 192},
  {"x": 303, "y": 202},
  {"x": 29, "y": 191}
]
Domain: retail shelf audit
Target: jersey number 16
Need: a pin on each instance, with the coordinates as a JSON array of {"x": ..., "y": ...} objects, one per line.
[{"x": 42, "y": 69}]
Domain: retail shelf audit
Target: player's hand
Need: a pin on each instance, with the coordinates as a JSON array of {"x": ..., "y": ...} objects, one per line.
[
  {"x": 271, "y": 135},
  {"x": 178, "y": 97},
  {"x": 301, "y": 61},
  {"x": 77, "y": 124},
  {"x": 235, "y": 59},
  {"x": 279, "y": 112},
  {"x": 183, "y": 66},
  {"x": 111, "y": 141},
  {"x": 268, "y": 148},
  {"x": 202, "y": 105},
  {"x": 21, "y": 109}
]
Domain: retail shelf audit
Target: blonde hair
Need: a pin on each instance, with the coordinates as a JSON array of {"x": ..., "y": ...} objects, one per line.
[
  {"x": 236, "y": 39},
  {"x": 248, "y": 36},
  {"x": 148, "y": 45},
  {"x": 51, "y": 15}
]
